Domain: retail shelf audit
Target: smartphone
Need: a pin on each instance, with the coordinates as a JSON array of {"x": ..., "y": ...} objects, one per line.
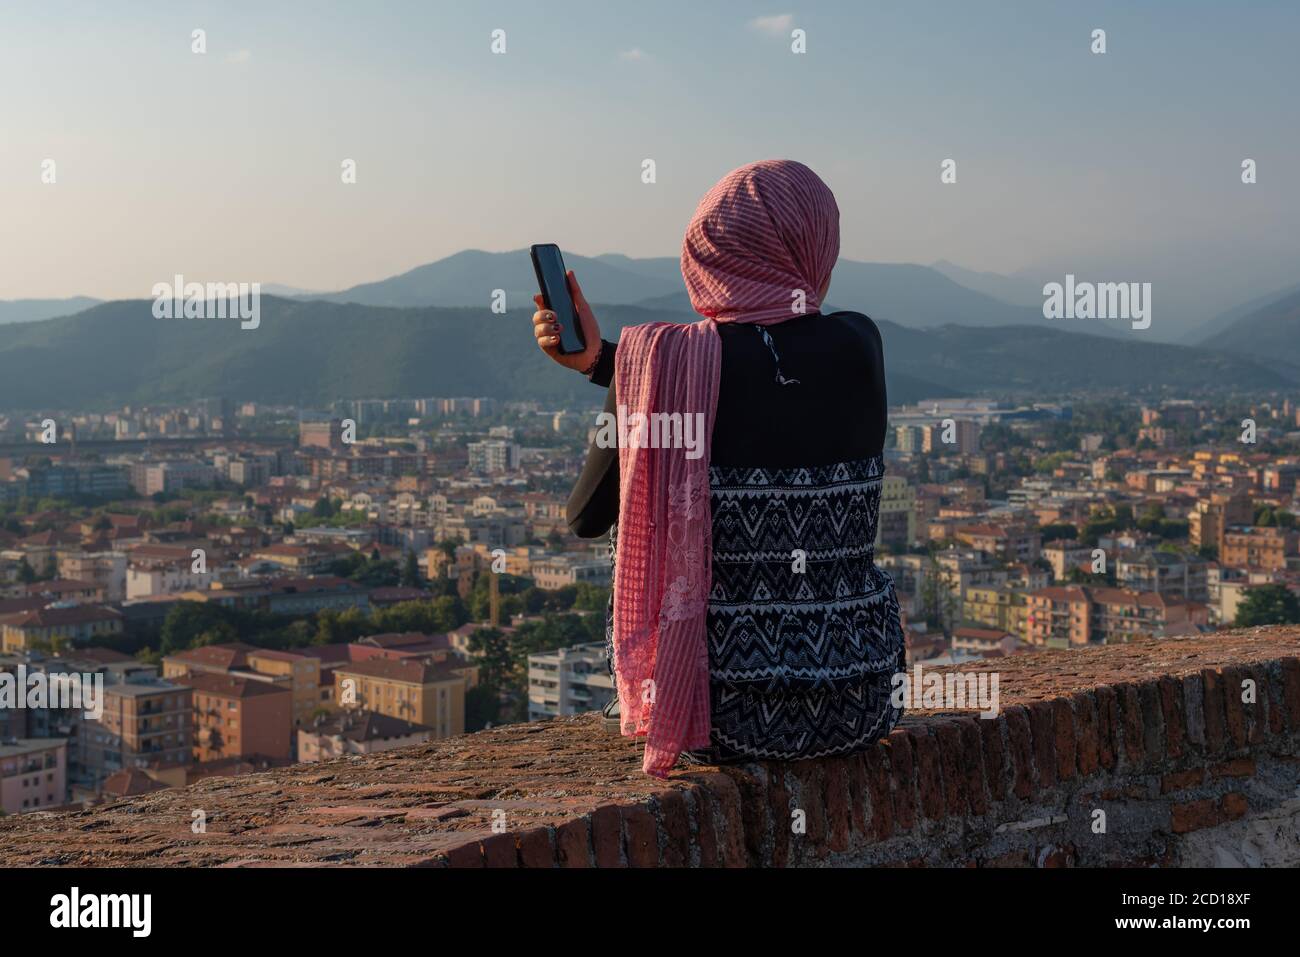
[{"x": 553, "y": 281}]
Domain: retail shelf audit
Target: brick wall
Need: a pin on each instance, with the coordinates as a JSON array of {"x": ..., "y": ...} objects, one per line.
[{"x": 1133, "y": 755}]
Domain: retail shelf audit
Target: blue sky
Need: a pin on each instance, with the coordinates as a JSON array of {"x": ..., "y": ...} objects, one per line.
[{"x": 1123, "y": 166}]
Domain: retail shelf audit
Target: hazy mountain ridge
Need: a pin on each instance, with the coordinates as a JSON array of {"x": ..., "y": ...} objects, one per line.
[
  {"x": 35, "y": 310},
  {"x": 1269, "y": 335},
  {"x": 312, "y": 352}
]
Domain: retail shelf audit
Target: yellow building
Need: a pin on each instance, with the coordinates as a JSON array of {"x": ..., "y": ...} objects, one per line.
[
  {"x": 430, "y": 694},
  {"x": 999, "y": 607}
]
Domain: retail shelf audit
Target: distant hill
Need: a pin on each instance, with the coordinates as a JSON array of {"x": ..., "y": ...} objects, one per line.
[
  {"x": 313, "y": 352},
  {"x": 911, "y": 295},
  {"x": 468, "y": 279},
  {"x": 30, "y": 310},
  {"x": 1010, "y": 289},
  {"x": 1209, "y": 330},
  {"x": 1043, "y": 360},
  {"x": 1269, "y": 335}
]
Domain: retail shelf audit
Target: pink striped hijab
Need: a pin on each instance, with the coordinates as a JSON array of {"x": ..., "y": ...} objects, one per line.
[{"x": 759, "y": 248}]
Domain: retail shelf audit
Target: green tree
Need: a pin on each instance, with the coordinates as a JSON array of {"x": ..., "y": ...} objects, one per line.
[
  {"x": 411, "y": 570},
  {"x": 1268, "y": 605}
]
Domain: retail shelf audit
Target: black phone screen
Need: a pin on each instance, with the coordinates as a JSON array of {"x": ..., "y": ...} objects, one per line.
[{"x": 549, "y": 266}]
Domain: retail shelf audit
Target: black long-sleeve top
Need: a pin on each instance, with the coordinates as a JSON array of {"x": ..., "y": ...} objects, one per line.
[{"x": 835, "y": 413}]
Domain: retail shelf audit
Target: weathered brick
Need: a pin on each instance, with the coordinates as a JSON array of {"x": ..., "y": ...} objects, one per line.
[
  {"x": 837, "y": 804},
  {"x": 1194, "y": 712},
  {"x": 728, "y": 817},
  {"x": 642, "y": 836},
  {"x": 1130, "y": 710},
  {"x": 1108, "y": 741},
  {"x": 881, "y": 795},
  {"x": 1153, "y": 724},
  {"x": 1086, "y": 738},
  {"x": 1291, "y": 692},
  {"x": 902, "y": 768},
  {"x": 469, "y": 854},
  {"x": 536, "y": 848},
  {"x": 1020, "y": 750},
  {"x": 1257, "y": 717},
  {"x": 929, "y": 778},
  {"x": 501, "y": 850},
  {"x": 607, "y": 836},
  {"x": 1173, "y": 714},
  {"x": 1042, "y": 724},
  {"x": 1178, "y": 780},
  {"x": 859, "y": 794},
  {"x": 810, "y": 799},
  {"x": 1216, "y": 735},
  {"x": 757, "y": 803},
  {"x": 1236, "y": 768},
  {"x": 973, "y": 764},
  {"x": 1233, "y": 707},
  {"x": 1063, "y": 723},
  {"x": 1233, "y": 806},
  {"x": 573, "y": 843},
  {"x": 1018, "y": 858},
  {"x": 676, "y": 825},
  {"x": 1194, "y": 815},
  {"x": 954, "y": 780},
  {"x": 701, "y": 809},
  {"x": 780, "y": 804},
  {"x": 995, "y": 767}
]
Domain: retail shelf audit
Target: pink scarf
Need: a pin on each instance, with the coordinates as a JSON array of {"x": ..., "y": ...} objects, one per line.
[{"x": 758, "y": 250}]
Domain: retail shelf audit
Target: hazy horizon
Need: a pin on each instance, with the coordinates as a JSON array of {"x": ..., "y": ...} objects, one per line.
[{"x": 225, "y": 166}]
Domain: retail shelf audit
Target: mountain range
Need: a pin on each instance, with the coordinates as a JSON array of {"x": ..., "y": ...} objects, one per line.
[{"x": 430, "y": 331}]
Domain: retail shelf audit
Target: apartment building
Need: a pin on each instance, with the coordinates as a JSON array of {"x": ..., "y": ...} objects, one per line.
[
  {"x": 145, "y": 723},
  {"x": 897, "y": 517},
  {"x": 1071, "y": 616},
  {"x": 165, "y": 569},
  {"x": 58, "y": 625},
  {"x": 237, "y": 716},
  {"x": 569, "y": 681},
  {"x": 1000, "y": 607},
  {"x": 297, "y": 671},
  {"x": 1009, "y": 543},
  {"x": 1164, "y": 573},
  {"x": 1259, "y": 548},
  {"x": 356, "y": 732},
  {"x": 557, "y": 571},
  {"x": 421, "y": 691},
  {"x": 33, "y": 774},
  {"x": 1214, "y": 513}
]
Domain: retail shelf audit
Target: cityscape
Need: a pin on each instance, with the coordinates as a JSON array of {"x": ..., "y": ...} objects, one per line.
[
  {"x": 853, "y": 438},
  {"x": 264, "y": 585}
]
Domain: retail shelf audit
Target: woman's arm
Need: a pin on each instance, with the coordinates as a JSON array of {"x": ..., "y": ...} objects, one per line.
[{"x": 593, "y": 503}]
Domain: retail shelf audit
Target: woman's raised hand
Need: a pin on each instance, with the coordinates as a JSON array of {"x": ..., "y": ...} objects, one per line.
[{"x": 546, "y": 327}]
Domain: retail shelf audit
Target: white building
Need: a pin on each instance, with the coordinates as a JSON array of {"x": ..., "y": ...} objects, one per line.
[{"x": 568, "y": 681}]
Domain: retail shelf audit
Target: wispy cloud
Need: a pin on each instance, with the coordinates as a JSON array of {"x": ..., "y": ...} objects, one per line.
[
  {"x": 239, "y": 56},
  {"x": 777, "y": 25},
  {"x": 636, "y": 53}
]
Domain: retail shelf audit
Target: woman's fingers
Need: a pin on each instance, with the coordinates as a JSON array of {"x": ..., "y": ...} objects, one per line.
[
  {"x": 546, "y": 329},
  {"x": 590, "y": 328}
]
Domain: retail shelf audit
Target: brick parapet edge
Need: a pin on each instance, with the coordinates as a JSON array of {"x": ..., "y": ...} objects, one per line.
[{"x": 1112, "y": 756}]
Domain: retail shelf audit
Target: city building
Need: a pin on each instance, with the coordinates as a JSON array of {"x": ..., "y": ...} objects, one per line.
[
  {"x": 569, "y": 681},
  {"x": 33, "y": 774}
]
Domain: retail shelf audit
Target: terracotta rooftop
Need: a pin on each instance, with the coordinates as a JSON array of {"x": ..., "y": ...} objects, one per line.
[{"x": 1162, "y": 736}]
